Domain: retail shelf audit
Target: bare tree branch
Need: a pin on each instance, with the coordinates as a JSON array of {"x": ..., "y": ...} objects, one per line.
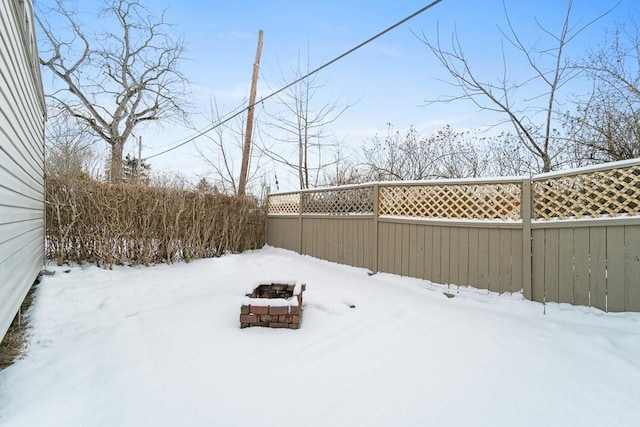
[
  {"x": 300, "y": 129},
  {"x": 538, "y": 135},
  {"x": 118, "y": 80}
]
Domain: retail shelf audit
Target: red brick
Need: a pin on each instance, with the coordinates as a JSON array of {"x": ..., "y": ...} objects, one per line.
[
  {"x": 278, "y": 310},
  {"x": 278, "y": 325},
  {"x": 259, "y": 309},
  {"x": 244, "y": 309},
  {"x": 295, "y": 309},
  {"x": 248, "y": 318},
  {"x": 294, "y": 325},
  {"x": 294, "y": 319}
]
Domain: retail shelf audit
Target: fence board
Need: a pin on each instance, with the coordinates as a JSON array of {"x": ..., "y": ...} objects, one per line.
[
  {"x": 364, "y": 247},
  {"x": 516, "y": 261},
  {"x": 349, "y": 239},
  {"x": 353, "y": 241},
  {"x": 445, "y": 255},
  {"x": 337, "y": 241},
  {"x": 397, "y": 249},
  {"x": 316, "y": 230},
  {"x": 428, "y": 252},
  {"x": 329, "y": 240},
  {"x": 598, "y": 267},
  {"x": 483, "y": 258},
  {"x": 615, "y": 269},
  {"x": 581, "y": 266},
  {"x": 342, "y": 250},
  {"x": 537, "y": 265},
  {"x": 436, "y": 254},
  {"x": 463, "y": 256},
  {"x": 353, "y": 228},
  {"x": 345, "y": 253},
  {"x": 413, "y": 251},
  {"x": 565, "y": 265},
  {"x": 474, "y": 257},
  {"x": 505, "y": 261},
  {"x": 325, "y": 236},
  {"x": 454, "y": 251},
  {"x": 392, "y": 247},
  {"x": 369, "y": 252},
  {"x": 314, "y": 236},
  {"x": 338, "y": 248},
  {"x": 420, "y": 252},
  {"x": 383, "y": 247},
  {"x": 494, "y": 260},
  {"x": 307, "y": 229},
  {"x": 405, "y": 250},
  {"x": 551, "y": 265},
  {"x": 632, "y": 267}
]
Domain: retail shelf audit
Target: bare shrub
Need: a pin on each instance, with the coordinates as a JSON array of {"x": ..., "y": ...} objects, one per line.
[{"x": 109, "y": 224}]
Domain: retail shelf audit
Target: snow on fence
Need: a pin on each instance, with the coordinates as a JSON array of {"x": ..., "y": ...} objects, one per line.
[{"x": 571, "y": 237}]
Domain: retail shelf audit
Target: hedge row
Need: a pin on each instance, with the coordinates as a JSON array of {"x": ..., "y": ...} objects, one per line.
[{"x": 109, "y": 224}]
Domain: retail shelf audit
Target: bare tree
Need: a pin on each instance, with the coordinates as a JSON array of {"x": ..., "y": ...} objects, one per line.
[
  {"x": 398, "y": 156},
  {"x": 224, "y": 150},
  {"x": 69, "y": 147},
  {"x": 537, "y": 123},
  {"x": 300, "y": 132},
  {"x": 446, "y": 153},
  {"x": 118, "y": 80},
  {"x": 342, "y": 170},
  {"x": 607, "y": 124}
]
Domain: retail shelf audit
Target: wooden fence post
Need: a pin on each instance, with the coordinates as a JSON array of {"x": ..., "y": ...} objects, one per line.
[
  {"x": 525, "y": 214},
  {"x": 266, "y": 217},
  {"x": 300, "y": 210},
  {"x": 376, "y": 198}
]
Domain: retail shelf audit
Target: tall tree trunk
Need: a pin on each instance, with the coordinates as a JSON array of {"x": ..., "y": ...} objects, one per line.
[{"x": 116, "y": 161}]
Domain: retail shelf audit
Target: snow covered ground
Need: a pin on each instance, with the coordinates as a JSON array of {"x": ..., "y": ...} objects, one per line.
[{"x": 162, "y": 346}]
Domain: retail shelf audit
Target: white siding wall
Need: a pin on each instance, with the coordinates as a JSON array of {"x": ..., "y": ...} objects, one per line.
[{"x": 21, "y": 158}]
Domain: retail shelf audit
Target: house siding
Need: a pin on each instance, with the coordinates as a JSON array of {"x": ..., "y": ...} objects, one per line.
[{"x": 22, "y": 111}]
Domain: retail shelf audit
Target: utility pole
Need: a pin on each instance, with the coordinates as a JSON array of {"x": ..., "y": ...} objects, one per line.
[{"x": 246, "y": 149}]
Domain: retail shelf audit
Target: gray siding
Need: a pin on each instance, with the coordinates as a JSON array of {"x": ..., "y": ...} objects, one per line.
[{"x": 22, "y": 113}]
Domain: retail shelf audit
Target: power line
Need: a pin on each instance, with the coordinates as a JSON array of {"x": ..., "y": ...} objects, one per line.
[{"x": 309, "y": 74}]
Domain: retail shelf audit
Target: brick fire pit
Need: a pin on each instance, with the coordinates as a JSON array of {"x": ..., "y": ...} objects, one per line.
[{"x": 274, "y": 305}]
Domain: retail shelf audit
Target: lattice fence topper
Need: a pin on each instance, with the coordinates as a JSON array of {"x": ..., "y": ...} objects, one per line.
[
  {"x": 453, "y": 201},
  {"x": 288, "y": 203},
  {"x": 609, "y": 193},
  {"x": 343, "y": 201}
]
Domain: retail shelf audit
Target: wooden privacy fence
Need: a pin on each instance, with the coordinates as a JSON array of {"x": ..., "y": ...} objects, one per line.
[{"x": 571, "y": 237}]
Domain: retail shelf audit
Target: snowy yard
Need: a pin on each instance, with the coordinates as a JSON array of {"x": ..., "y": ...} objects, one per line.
[{"x": 162, "y": 346}]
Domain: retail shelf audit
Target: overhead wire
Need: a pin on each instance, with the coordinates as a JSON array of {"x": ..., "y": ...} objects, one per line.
[{"x": 233, "y": 115}]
